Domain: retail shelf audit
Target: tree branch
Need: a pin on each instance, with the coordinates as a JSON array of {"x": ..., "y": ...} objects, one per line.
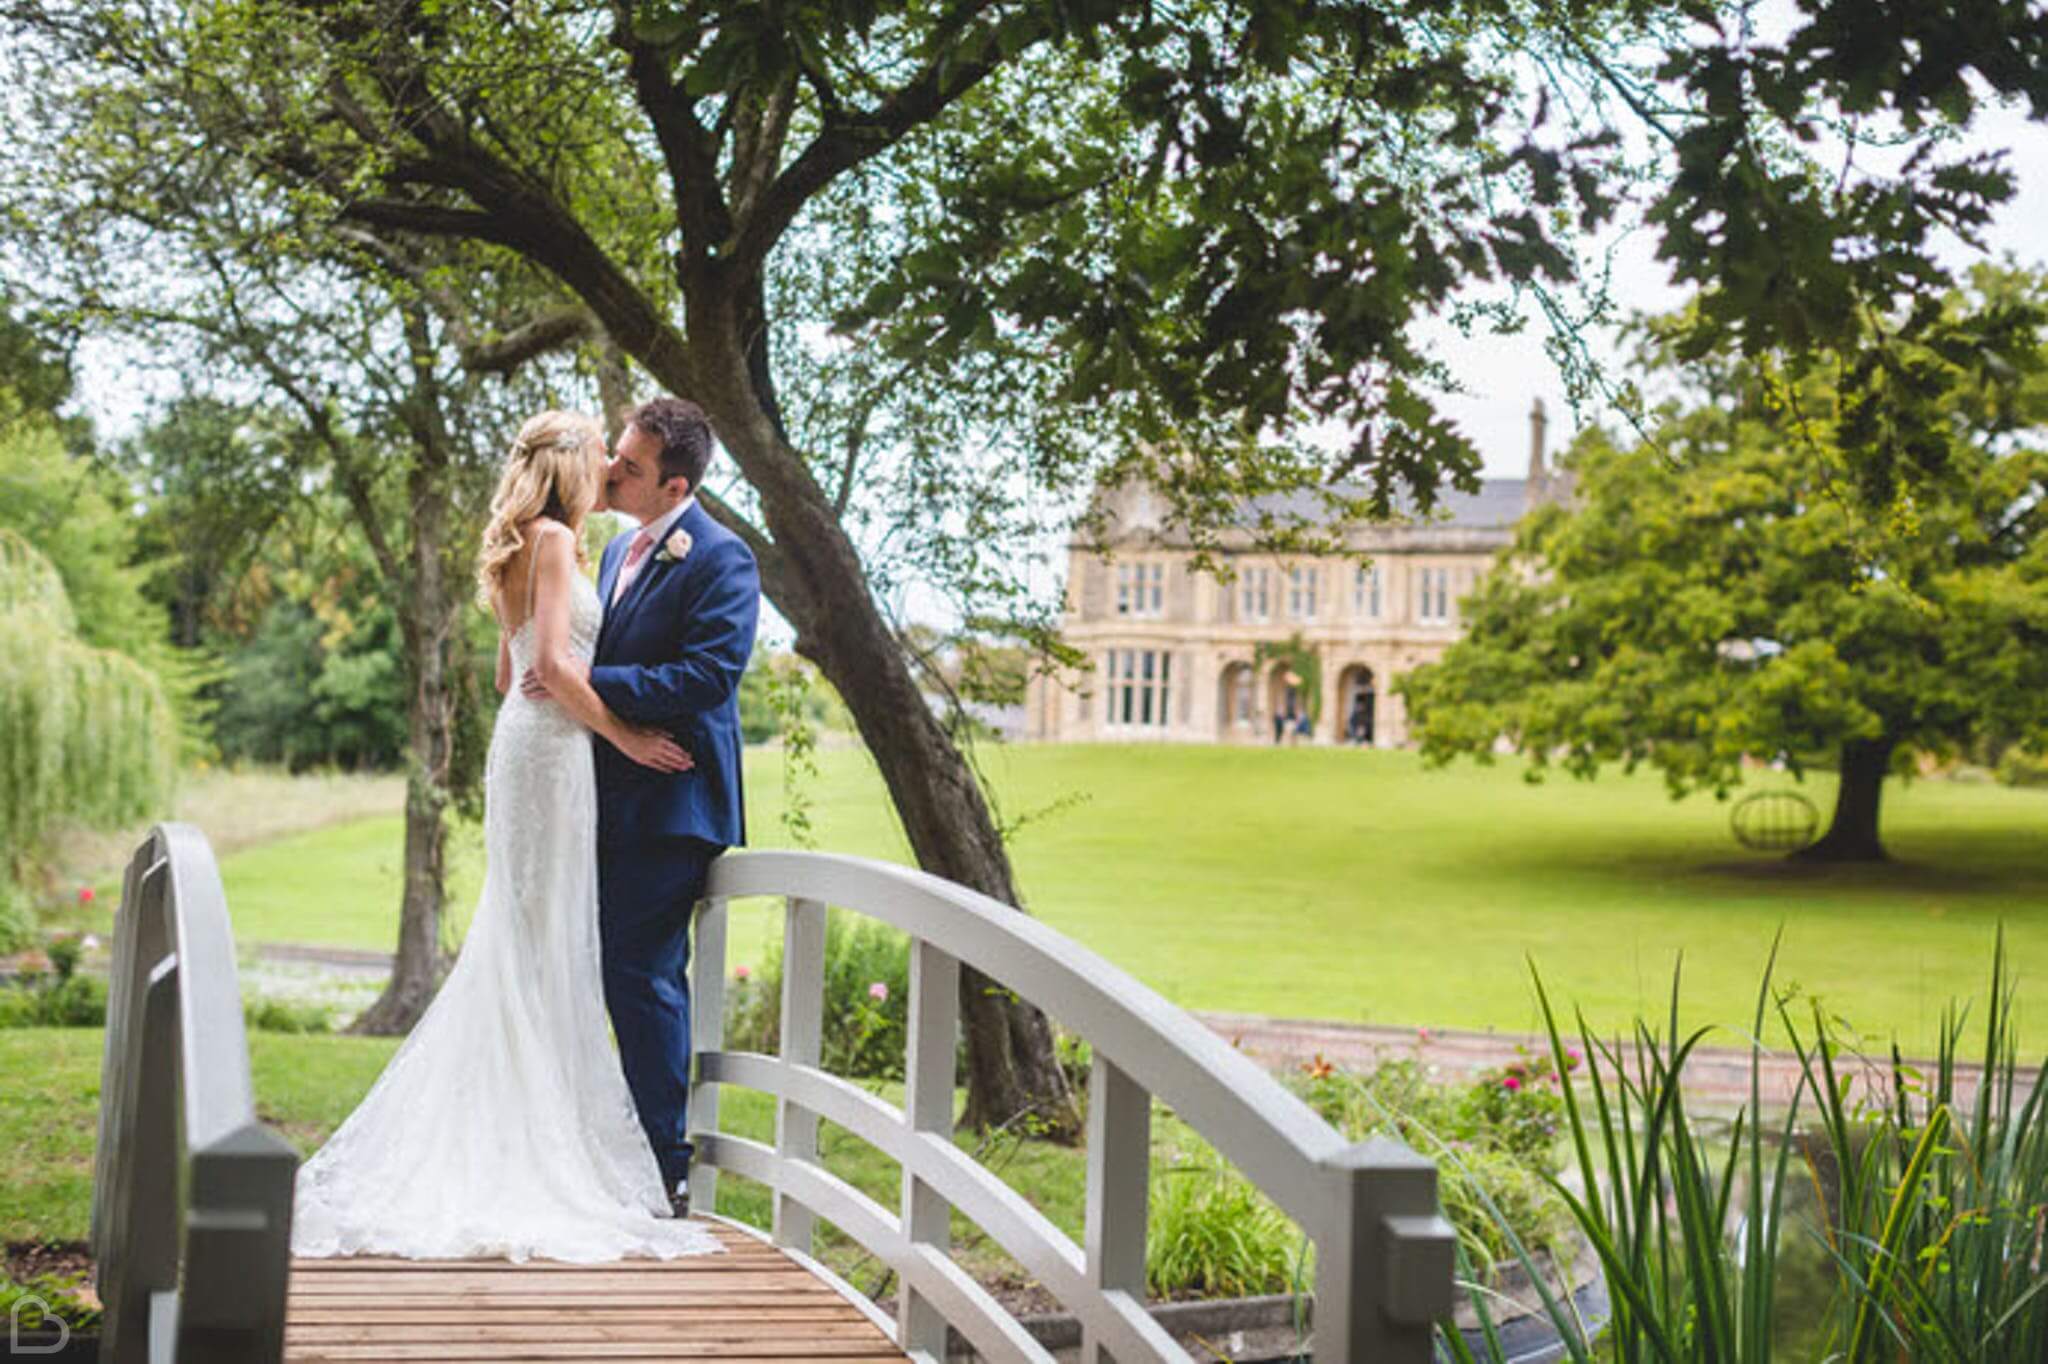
[
  {"x": 776, "y": 577},
  {"x": 848, "y": 141},
  {"x": 688, "y": 149}
]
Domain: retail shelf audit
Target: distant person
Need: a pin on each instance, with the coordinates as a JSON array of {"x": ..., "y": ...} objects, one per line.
[
  {"x": 1303, "y": 728},
  {"x": 1358, "y": 728},
  {"x": 1281, "y": 720}
]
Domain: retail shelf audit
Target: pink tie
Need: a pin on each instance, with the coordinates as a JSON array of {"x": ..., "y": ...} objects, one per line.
[{"x": 635, "y": 552}]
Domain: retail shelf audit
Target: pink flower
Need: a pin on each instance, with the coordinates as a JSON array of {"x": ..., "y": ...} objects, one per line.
[
  {"x": 878, "y": 992},
  {"x": 1422, "y": 1034},
  {"x": 742, "y": 973},
  {"x": 86, "y": 895},
  {"x": 1572, "y": 1058},
  {"x": 1511, "y": 1083}
]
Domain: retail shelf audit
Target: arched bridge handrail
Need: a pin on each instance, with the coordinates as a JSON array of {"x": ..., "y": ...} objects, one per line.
[
  {"x": 202, "y": 1275},
  {"x": 1263, "y": 1127},
  {"x": 1384, "y": 1254}
]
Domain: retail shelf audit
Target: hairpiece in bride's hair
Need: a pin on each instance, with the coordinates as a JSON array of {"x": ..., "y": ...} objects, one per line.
[{"x": 565, "y": 440}]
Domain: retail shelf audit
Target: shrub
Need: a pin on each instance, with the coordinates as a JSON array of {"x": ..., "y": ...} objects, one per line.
[
  {"x": 277, "y": 1015},
  {"x": 2020, "y": 767},
  {"x": 1494, "y": 1139},
  {"x": 1076, "y": 1059},
  {"x": 867, "y": 994},
  {"x": 1212, "y": 1234},
  {"x": 46, "y": 1000},
  {"x": 23, "y": 1304},
  {"x": 17, "y": 915}
]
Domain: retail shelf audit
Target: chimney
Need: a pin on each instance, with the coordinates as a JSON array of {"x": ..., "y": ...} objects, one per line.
[{"x": 1538, "y": 475}]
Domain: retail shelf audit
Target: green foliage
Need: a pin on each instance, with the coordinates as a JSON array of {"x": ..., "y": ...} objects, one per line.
[
  {"x": 1494, "y": 1138},
  {"x": 71, "y": 511},
  {"x": 86, "y": 734},
  {"x": 64, "y": 1297},
  {"x": 1209, "y": 1233},
  {"x": 2023, "y": 767},
  {"x": 277, "y": 1015},
  {"x": 867, "y": 997},
  {"x": 307, "y": 692},
  {"x": 791, "y": 701},
  {"x": 1930, "y": 1214},
  {"x": 1710, "y": 596},
  {"x": 17, "y": 915},
  {"x": 55, "y": 999}
]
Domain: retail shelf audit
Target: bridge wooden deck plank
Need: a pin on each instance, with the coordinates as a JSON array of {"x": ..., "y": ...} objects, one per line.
[{"x": 752, "y": 1305}]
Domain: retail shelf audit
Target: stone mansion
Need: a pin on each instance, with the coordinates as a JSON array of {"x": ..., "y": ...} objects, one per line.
[{"x": 1174, "y": 649}]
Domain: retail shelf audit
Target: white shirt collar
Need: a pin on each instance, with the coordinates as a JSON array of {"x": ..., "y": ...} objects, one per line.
[{"x": 667, "y": 523}]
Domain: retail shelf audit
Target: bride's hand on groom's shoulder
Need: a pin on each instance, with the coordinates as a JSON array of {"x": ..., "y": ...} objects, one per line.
[{"x": 652, "y": 748}]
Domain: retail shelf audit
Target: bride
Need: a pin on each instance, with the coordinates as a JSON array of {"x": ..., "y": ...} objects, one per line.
[{"x": 502, "y": 1125}]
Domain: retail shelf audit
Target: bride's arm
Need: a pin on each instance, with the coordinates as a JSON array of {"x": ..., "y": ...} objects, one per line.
[
  {"x": 504, "y": 661},
  {"x": 566, "y": 677}
]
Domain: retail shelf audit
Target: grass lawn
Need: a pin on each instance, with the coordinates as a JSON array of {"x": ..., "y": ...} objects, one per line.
[{"x": 1327, "y": 883}]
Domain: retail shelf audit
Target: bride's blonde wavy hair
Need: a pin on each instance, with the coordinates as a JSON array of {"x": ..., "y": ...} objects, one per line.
[{"x": 553, "y": 469}]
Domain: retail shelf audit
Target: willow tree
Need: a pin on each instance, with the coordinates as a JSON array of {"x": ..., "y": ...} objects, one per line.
[
  {"x": 86, "y": 734},
  {"x": 936, "y": 268}
]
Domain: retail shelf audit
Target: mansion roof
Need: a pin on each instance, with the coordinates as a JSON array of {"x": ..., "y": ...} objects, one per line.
[
  {"x": 1479, "y": 521},
  {"x": 1498, "y": 505}
]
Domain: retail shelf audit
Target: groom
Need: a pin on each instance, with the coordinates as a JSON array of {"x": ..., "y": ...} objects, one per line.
[{"x": 681, "y": 596}]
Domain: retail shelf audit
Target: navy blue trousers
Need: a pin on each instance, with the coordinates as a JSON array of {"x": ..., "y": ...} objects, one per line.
[{"x": 646, "y": 893}]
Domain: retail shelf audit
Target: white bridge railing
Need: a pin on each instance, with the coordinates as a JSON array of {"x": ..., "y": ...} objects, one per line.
[
  {"x": 192, "y": 1195},
  {"x": 1384, "y": 1255}
]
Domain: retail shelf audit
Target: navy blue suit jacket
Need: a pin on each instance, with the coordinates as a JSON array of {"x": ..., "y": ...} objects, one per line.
[{"x": 669, "y": 656}]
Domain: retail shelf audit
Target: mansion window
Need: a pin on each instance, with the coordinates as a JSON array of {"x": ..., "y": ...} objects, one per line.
[
  {"x": 1433, "y": 594},
  {"x": 1301, "y": 593},
  {"x": 1365, "y": 591},
  {"x": 1138, "y": 688},
  {"x": 1141, "y": 589},
  {"x": 1255, "y": 594}
]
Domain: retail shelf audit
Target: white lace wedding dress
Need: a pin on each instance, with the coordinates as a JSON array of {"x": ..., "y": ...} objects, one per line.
[{"x": 503, "y": 1126}]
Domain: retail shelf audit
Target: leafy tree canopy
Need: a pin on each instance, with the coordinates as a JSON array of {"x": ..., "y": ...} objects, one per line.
[{"x": 1714, "y": 593}]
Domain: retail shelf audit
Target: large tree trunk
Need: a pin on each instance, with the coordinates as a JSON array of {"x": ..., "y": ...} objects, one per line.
[
  {"x": 428, "y": 616},
  {"x": 1013, "y": 1068},
  {"x": 1852, "y": 833},
  {"x": 815, "y": 578}
]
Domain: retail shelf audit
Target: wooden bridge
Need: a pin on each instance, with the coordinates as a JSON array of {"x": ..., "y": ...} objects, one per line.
[
  {"x": 192, "y": 1194},
  {"x": 752, "y": 1305}
]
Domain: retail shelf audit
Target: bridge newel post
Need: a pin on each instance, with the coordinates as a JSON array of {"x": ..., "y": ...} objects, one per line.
[
  {"x": 931, "y": 1052},
  {"x": 1119, "y": 1179},
  {"x": 1385, "y": 1260},
  {"x": 707, "y": 1033},
  {"x": 803, "y": 1032}
]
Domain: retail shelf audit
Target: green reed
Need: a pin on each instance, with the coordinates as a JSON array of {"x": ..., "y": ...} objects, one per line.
[{"x": 1932, "y": 1207}]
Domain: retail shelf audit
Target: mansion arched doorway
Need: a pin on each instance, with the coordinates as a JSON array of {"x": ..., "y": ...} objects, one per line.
[
  {"x": 1358, "y": 705},
  {"x": 1237, "y": 711}
]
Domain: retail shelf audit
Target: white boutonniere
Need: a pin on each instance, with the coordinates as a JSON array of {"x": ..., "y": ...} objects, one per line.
[{"x": 674, "y": 549}]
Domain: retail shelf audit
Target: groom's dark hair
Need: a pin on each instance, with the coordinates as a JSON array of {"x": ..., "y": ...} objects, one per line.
[{"x": 685, "y": 435}]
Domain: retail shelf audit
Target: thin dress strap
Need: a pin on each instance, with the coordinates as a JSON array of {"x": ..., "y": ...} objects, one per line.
[{"x": 532, "y": 567}]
